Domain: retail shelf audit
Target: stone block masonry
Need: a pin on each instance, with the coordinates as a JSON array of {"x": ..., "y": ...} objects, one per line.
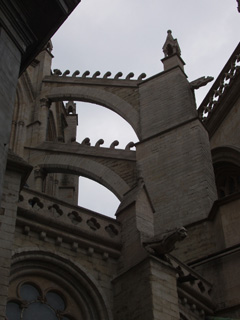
[
  {"x": 7, "y": 230},
  {"x": 147, "y": 291},
  {"x": 178, "y": 173}
]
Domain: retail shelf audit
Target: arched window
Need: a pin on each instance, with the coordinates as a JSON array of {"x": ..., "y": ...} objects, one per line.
[
  {"x": 39, "y": 298},
  {"x": 46, "y": 286},
  {"x": 34, "y": 302},
  {"x": 227, "y": 178}
]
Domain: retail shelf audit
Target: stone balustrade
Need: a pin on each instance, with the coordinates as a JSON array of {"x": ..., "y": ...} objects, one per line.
[
  {"x": 193, "y": 290},
  {"x": 77, "y": 226},
  {"x": 220, "y": 86}
]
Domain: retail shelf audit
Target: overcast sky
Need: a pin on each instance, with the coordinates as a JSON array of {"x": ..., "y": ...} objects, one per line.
[{"x": 127, "y": 36}]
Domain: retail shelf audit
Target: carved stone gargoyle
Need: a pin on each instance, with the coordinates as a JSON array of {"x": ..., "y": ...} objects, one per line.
[
  {"x": 200, "y": 82},
  {"x": 163, "y": 244}
]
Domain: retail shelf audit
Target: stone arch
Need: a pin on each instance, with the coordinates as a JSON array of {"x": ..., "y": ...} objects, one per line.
[
  {"x": 226, "y": 154},
  {"x": 226, "y": 163},
  {"x": 87, "y": 168},
  {"x": 32, "y": 261},
  {"x": 100, "y": 97}
]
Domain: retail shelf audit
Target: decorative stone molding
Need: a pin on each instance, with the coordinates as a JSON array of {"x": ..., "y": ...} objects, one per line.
[
  {"x": 96, "y": 75},
  {"x": 221, "y": 86},
  {"x": 114, "y": 144},
  {"x": 93, "y": 224},
  {"x": 171, "y": 46},
  {"x": 99, "y": 143},
  {"x": 44, "y": 102},
  {"x": 39, "y": 176},
  {"x": 76, "y": 220},
  {"x": 74, "y": 217},
  {"x": 111, "y": 230},
  {"x": 86, "y": 142},
  {"x": 71, "y": 107}
]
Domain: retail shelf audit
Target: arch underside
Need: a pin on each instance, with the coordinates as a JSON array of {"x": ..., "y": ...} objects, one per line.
[
  {"x": 85, "y": 167},
  {"x": 226, "y": 154},
  {"x": 226, "y": 160},
  {"x": 96, "y": 96}
]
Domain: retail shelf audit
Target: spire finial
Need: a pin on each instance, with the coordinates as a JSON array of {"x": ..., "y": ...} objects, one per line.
[
  {"x": 171, "y": 46},
  {"x": 172, "y": 53}
]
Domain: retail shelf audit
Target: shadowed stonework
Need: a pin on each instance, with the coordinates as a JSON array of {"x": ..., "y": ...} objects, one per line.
[{"x": 173, "y": 250}]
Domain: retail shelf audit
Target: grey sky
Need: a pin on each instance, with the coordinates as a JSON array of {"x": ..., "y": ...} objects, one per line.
[{"x": 128, "y": 35}]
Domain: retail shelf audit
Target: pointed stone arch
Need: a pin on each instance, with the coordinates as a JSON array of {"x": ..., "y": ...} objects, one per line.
[
  {"x": 226, "y": 154},
  {"x": 87, "y": 168},
  {"x": 226, "y": 161},
  {"x": 98, "y": 96}
]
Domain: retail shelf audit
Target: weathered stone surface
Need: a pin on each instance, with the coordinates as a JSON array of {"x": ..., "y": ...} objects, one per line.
[{"x": 100, "y": 263}]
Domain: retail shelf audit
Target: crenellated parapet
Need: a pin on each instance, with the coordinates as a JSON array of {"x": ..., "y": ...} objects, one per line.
[
  {"x": 194, "y": 291},
  {"x": 96, "y": 75},
  {"x": 113, "y": 145}
]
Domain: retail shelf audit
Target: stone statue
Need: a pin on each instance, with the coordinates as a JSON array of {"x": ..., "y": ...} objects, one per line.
[
  {"x": 161, "y": 245},
  {"x": 200, "y": 82}
]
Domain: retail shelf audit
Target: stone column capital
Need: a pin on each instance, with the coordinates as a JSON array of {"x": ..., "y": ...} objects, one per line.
[
  {"x": 44, "y": 102},
  {"x": 39, "y": 172}
]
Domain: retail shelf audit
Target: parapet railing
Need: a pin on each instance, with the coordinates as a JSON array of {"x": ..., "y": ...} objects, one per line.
[
  {"x": 220, "y": 86},
  {"x": 194, "y": 291},
  {"x": 36, "y": 208},
  {"x": 96, "y": 75}
]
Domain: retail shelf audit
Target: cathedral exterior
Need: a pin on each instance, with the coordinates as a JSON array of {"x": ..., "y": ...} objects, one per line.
[{"x": 173, "y": 251}]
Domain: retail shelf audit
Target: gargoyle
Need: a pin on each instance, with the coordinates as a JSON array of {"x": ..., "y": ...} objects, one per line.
[
  {"x": 161, "y": 245},
  {"x": 200, "y": 82}
]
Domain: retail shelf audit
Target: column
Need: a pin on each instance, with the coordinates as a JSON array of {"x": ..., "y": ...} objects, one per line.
[
  {"x": 39, "y": 176},
  {"x": 43, "y": 117}
]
